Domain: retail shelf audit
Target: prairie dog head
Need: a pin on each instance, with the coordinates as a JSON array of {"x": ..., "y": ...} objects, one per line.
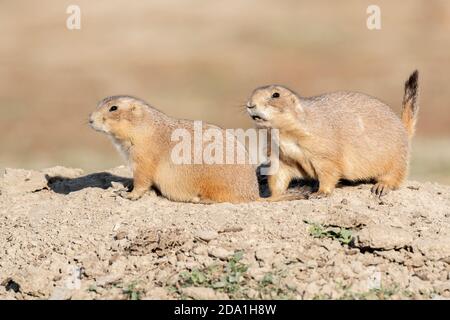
[
  {"x": 118, "y": 116},
  {"x": 273, "y": 105}
]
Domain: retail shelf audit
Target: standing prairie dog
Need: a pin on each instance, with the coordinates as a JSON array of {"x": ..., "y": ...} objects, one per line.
[
  {"x": 144, "y": 135},
  {"x": 340, "y": 135}
]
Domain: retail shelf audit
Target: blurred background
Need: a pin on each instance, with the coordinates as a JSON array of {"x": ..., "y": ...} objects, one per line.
[{"x": 201, "y": 59}]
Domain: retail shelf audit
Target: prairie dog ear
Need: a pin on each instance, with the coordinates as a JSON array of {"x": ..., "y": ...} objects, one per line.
[
  {"x": 136, "y": 109},
  {"x": 298, "y": 108}
]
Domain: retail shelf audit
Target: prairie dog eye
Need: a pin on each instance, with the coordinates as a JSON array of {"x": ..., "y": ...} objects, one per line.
[
  {"x": 275, "y": 95},
  {"x": 113, "y": 108}
]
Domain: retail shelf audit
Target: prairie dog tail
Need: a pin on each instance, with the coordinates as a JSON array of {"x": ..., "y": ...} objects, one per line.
[{"x": 410, "y": 103}]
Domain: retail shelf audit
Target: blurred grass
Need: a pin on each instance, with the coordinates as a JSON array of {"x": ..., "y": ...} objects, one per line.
[{"x": 430, "y": 160}]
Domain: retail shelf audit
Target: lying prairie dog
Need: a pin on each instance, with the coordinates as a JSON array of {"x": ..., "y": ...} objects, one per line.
[
  {"x": 340, "y": 135},
  {"x": 143, "y": 135}
]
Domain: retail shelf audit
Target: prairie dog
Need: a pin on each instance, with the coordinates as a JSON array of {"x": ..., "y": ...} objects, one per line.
[
  {"x": 340, "y": 135},
  {"x": 144, "y": 135}
]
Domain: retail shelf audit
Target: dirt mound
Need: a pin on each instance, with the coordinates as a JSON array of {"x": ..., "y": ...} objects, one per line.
[{"x": 66, "y": 235}]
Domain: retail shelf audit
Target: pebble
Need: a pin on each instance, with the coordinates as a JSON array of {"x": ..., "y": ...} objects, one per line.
[
  {"x": 384, "y": 237},
  {"x": 207, "y": 235},
  {"x": 200, "y": 250},
  {"x": 221, "y": 253},
  {"x": 120, "y": 235},
  {"x": 265, "y": 255}
]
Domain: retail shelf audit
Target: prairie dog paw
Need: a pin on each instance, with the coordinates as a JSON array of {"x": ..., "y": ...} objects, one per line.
[
  {"x": 129, "y": 195},
  {"x": 380, "y": 189}
]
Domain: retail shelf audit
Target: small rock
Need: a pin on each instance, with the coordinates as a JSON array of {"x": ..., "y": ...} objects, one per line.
[
  {"x": 120, "y": 235},
  {"x": 422, "y": 274},
  {"x": 231, "y": 229},
  {"x": 311, "y": 264},
  {"x": 392, "y": 255},
  {"x": 416, "y": 260},
  {"x": 200, "y": 250},
  {"x": 418, "y": 285},
  {"x": 441, "y": 287},
  {"x": 357, "y": 267},
  {"x": 252, "y": 293},
  {"x": 156, "y": 293},
  {"x": 181, "y": 257},
  {"x": 257, "y": 273},
  {"x": 221, "y": 253},
  {"x": 352, "y": 251},
  {"x": 266, "y": 255},
  {"x": 291, "y": 284},
  {"x": 311, "y": 290},
  {"x": 106, "y": 280},
  {"x": 205, "y": 261},
  {"x": 61, "y": 294},
  {"x": 383, "y": 237},
  {"x": 344, "y": 219},
  {"x": 434, "y": 249},
  {"x": 191, "y": 265},
  {"x": 172, "y": 260},
  {"x": 83, "y": 295},
  {"x": 207, "y": 235},
  {"x": 113, "y": 258}
]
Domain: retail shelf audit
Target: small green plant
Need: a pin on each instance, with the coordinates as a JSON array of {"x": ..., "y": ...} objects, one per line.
[
  {"x": 381, "y": 293},
  {"x": 194, "y": 278},
  {"x": 131, "y": 292},
  {"x": 235, "y": 271},
  {"x": 372, "y": 294},
  {"x": 232, "y": 278},
  {"x": 271, "y": 287},
  {"x": 225, "y": 278},
  {"x": 92, "y": 288},
  {"x": 343, "y": 235},
  {"x": 318, "y": 231},
  {"x": 267, "y": 279}
]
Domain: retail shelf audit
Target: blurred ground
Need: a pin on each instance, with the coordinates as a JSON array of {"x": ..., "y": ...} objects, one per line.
[{"x": 200, "y": 60}]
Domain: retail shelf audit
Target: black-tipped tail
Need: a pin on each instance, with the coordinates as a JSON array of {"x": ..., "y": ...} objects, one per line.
[{"x": 410, "y": 103}]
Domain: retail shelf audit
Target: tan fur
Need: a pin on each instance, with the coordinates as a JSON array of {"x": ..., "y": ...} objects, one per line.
[
  {"x": 143, "y": 135},
  {"x": 340, "y": 135}
]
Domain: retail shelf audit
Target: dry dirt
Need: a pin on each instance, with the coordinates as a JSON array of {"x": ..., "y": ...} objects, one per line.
[{"x": 65, "y": 235}]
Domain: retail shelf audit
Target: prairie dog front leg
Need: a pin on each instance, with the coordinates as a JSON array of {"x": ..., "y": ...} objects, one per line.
[
  {"x": 142, "y": 181},
  {"x": 279, "y": 180}
]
